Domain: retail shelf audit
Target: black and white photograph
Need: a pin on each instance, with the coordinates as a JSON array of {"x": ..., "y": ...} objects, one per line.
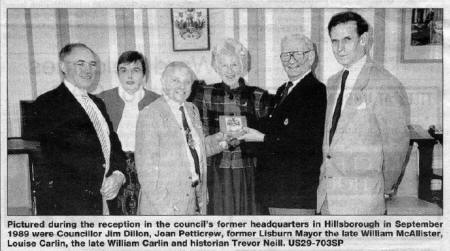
[{"x": 272, "y": 127}]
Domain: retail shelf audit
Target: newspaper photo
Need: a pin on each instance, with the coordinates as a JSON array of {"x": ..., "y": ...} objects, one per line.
[{"x": 223, "y": 125}]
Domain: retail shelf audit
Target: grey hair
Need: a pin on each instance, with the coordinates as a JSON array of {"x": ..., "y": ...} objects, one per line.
[
  {"x": 300, "y": 38},
  {"x": 179, "y": 64},
  {"x": 230, "y": 46}
]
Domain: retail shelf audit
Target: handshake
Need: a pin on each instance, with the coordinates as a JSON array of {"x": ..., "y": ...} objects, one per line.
[{"x": 232, "y": 140}]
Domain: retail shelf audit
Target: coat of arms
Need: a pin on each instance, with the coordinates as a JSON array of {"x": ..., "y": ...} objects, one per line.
[{"x": 190, "y": 28}]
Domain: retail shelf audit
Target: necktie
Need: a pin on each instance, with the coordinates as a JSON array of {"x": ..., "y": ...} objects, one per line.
[
  {"x": 337, "y": 109},
  {"x": 191, "y": 144},
  {"x": 102, "y": 131},
  {"x": 285, "y": 92}
]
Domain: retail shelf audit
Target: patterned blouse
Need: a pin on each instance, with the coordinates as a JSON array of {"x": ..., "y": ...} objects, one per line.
[{"x": 218, "y": 99}]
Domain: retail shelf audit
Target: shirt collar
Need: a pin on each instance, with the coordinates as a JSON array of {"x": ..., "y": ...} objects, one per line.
[
  {"x": 356, "y": 67},
  {"x": 173, "y": 104},
  {"x": 296, "y": 81},
  {"x": 76, "y": 91},
  {"x": 135, "y": 97}
]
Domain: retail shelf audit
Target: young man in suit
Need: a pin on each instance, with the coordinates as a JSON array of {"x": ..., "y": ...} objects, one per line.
[
  {"x": 171, "y": 149},
  {"x": 366, "y": 134},
  {"x": 291, "y": 139},
  {"x": 84, "y": 154}
]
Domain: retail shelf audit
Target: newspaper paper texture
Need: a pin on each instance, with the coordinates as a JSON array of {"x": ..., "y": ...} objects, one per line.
[{"x": 408, "y": 40}]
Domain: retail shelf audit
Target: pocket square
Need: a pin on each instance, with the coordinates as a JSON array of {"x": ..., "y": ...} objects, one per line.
[{"x": 361, "y": 106}]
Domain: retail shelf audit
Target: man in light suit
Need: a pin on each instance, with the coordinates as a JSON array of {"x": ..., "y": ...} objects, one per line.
[
  {"x": 83, "y": 153},
  {"x": 366, "y": 134},
  {"x": 171, "y": 149}
]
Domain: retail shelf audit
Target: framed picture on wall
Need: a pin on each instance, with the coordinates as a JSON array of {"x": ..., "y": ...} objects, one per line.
[
  {"x": 190, "y": 29},
  {"x": 422, "y": 35}
]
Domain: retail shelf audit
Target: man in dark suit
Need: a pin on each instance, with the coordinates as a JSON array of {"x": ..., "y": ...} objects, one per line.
[
  {"x": 84, "y": 154},
  {"x": 291, "y": 150}
]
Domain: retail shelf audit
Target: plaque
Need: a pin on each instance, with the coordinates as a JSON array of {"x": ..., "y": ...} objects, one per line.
[{"x": 233, "y": 125}]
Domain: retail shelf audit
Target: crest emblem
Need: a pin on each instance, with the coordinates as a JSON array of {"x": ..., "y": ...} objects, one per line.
[{"x": 190, "y": 24}]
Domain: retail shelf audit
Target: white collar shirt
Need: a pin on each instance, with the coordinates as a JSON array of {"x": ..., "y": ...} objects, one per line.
[
  {"x": 353, "y": 73},
  {"x": 127, "y": 125},
  {"x": 175, "y": 108},
  {"x": 297, "y": 81}
]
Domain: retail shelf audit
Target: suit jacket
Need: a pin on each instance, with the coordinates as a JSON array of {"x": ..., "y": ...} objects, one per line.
[
  {"x": 162, "y": 162},
  {"x": 370, "y": 143},
  {"x": 288, "y": 168},
  {"x": 115, "y": 104},
  {"x": 72, "y": 149}
]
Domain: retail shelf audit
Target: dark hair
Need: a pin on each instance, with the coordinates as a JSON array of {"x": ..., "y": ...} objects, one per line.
[
  {"x": 131, "y": 57},
  {"x": 348, "y": 16},
  {"x": 67, "y": 49}
]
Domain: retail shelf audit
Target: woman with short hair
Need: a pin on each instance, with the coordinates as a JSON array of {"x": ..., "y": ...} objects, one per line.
[
  {"x": 123, "y": 104},
  {"x": 230, "y": 173}
]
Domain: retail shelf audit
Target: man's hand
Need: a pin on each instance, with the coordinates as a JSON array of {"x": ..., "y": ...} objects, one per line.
[
  {"x": 112, "y": 185},
  {"x": 252, "y": 135}
]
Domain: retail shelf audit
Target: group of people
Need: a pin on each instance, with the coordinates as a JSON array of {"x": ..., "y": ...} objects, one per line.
[{"x": 309, "y": 149}]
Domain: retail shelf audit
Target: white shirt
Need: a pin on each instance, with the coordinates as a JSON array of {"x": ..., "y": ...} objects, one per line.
[
  {"x": 353, "y": 73},
  {"x": 78, "y": 93},
  {"x": 127, "y": 125},
  {"x": 295, "y": 82},
  {"x": 175, "y": 108}
]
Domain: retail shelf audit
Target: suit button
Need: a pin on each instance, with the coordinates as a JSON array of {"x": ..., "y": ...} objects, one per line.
[{"x": 328, "y": 156}]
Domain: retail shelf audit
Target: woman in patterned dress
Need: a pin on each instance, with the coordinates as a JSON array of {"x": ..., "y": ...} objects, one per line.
[{"x": 230, "y": 173}]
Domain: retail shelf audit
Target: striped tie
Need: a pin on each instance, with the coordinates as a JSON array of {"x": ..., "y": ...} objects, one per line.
[{"x": 100, "y": 125}]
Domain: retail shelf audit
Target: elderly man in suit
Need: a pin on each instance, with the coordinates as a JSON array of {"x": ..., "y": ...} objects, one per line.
[
  {"x": 171, "y": 149},
  {"x": 291, "y": 139},
  {"x": 84, "y": 154},
  {"x": 366, "y": 134}
]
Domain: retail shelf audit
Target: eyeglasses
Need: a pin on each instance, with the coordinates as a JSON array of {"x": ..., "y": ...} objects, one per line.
[{"x": 298, "y": 55}]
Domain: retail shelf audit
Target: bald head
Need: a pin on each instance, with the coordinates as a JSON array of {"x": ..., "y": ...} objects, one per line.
[{"x": 297, "y": 55}]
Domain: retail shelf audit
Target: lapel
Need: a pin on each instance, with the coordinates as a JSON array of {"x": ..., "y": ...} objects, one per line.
[
  {"x": 293, "y": 95},
  {"x": 72, "y": 109},
  {"x": 167, "y": 115},
  {"x": 355, "y": 98},
  {"x": 332, "y": 91}
]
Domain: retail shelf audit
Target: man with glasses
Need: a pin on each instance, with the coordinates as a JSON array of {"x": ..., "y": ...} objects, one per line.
[
  {"x": 83, "y": 153},
  {"x": 291, "y": 137}
]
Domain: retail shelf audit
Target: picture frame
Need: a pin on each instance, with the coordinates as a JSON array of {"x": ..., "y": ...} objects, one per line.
[
  {"x": 232, "y": 125},
  {"x": 190, "y": 29},
  {"x": 422, "y": 35}
]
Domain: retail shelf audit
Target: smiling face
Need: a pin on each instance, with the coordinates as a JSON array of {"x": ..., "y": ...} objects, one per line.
[
  {"x": 348, "y": 47},
  {"x": 79, "y": 67},
  {"x": 177, "y": 82},
  {"x": 296, "y": 67},
  {"x": 131, "y": 76},
  {"x": 229, "y": 68}
]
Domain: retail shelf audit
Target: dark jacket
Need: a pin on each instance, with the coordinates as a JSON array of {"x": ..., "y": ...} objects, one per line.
[
  {"x": 73, "y": 152},
  {"x": 291, "y": 154},
  {"x": 115, "y": 104}
]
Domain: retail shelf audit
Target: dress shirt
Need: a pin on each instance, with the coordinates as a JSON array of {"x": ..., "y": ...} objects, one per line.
[
  {"x": 353, "y": 73},
  {"x": 296, "y": 81},
  {"x": 78, "y": 93},
  {"x": 175, "y": 108},
  {"x": 126, "y": 129}
]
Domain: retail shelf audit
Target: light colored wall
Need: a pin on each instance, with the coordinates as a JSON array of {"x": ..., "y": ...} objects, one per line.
[
  {"x": 33, "y": 46},
  {"x": 34, "y": 35}
]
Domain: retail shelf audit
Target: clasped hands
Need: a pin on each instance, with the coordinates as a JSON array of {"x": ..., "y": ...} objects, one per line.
[
  {"x": 230, "y": 140},
  {"x": 112, "y": 185}
]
